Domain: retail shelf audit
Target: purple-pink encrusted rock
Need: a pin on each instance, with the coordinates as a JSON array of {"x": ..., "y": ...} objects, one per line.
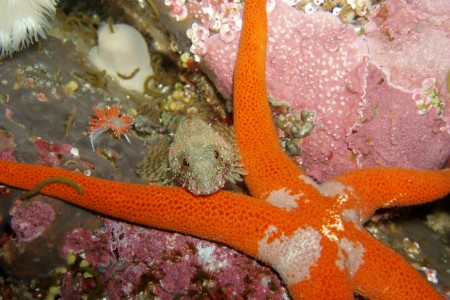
[
  {"x": 409, "y": 39},
  {"x": 51, "y": 154},
  {"x": 31, "y": 219},
  {"x": 405, "y": 122},
  {"x": 132, "y": 260},
  {"x": 314, "y": 62},
  {"x": 6, "y": 147},
  {"x": 393, "y": 132}
]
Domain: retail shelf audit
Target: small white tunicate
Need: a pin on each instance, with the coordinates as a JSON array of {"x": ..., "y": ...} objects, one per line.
[
  {"x": 310, "y": 8},
  {"x": 122, "y": 52},
  {"x": 337, "y": 11}
]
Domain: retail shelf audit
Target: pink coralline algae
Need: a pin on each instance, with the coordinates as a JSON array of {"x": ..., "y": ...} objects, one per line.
[
  {"x": 363, "y": 117},
  {"x": 6, "y": 146},
  {"x": 404, "y": 120},
  {"x": 402, "y": 141},
  {"x": 31, "y": 219},
  {"x": 58, "y": 155},
  {"x": 51, "y": 154},
  {"x": 132, "y": 260},
  {"x": 409, "y": 39}
]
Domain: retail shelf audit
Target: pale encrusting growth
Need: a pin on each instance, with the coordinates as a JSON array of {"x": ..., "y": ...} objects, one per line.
[
  {"x": 284, "y": 199},
  {"x": 291, "y": 256},
  {"x": 22, "y": 22},
  {"x": 350, "y": 256}
]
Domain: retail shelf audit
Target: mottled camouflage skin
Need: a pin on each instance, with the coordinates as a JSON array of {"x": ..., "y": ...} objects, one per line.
[{"x": 198, "y": 158}]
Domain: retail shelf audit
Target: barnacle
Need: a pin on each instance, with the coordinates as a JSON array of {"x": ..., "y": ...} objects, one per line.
[{"x": 292, "y": 126}]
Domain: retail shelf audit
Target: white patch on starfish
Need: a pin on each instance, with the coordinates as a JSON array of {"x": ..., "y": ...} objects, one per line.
[
  {"x": 350, "y": 256},
  {"x": 333, "y": 225},
  {"x": 282, "y": 198},
  {"x": 351, "y": 215},
  {"x": 328, "y": 188},
  {"x": 291, "y": 256}
]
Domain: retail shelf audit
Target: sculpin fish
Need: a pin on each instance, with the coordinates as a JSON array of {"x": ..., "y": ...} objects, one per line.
[{"x": 197, "y": 158}]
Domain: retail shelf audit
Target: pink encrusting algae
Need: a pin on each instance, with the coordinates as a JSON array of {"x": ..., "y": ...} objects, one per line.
[
  {"x": 136, "y": 260},
  {"x": 30, "y": 220}
]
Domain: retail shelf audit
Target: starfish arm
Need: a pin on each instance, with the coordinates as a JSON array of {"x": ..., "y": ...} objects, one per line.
[
  {"x": 389, "y": 187},
  {"x": 234, "y": 219},
  {"x": 267, "y": 166},
  {"x": 327, "y": 281},
  {"x": 384, "y": 274}
]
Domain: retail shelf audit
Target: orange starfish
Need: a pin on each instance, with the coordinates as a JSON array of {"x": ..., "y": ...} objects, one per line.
[{"x": 310, "y": 233}]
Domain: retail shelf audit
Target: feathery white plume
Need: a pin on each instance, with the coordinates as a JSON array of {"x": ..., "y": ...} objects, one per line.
[{"x": 22, "y": 22}]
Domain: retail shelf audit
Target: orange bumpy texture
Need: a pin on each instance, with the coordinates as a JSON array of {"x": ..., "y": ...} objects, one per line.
[{"x": 311, "y": 234}]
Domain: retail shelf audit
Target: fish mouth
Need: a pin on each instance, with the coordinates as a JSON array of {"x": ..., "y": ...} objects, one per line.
[{"x": 198, "y": 191}]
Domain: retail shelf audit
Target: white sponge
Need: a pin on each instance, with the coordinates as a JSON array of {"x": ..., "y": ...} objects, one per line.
[{"x": 122, "y": 52}]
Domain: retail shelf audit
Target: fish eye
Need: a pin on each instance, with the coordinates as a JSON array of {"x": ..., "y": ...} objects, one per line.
[
  {"x": 216, "y": 154},
  {"x": 185, "y": 162}
]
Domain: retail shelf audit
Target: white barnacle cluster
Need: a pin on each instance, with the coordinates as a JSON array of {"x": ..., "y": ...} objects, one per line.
[
  {"x": 221, "y": 17},
  {"x": 178, "y": 9},
  {"x": 198, "y": 35},
  {"x": 22, "y": 22}
]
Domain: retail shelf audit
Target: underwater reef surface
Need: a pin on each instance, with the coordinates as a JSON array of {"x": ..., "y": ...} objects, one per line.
[{"x": 52, "y": 249}]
